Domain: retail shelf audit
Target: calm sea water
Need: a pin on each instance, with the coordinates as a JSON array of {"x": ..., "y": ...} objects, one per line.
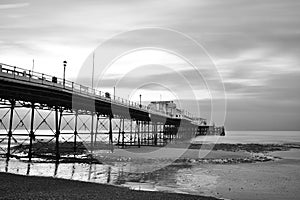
[
  {"x": 253, "y": 137},
  {"x": 261, "y": 137}
]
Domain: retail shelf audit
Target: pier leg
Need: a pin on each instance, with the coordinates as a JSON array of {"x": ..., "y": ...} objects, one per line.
[
  {"x": 151, "y": 133},
  {"x": 170, "y": 132},
  {"x": 135, "y": 133},
  {"x": 57, "y": 133},
  {"x": 161, "y": 134},
  {"x": 28, "y": 169},
  {"x": 13, "y": 103},
  {"x": 31, "y": 132},
  {"x": 96, "y": 131},
  {"x": 144, "y": 132},
  {"x": 164, "y": 134},
  {"x": 155, "y": 134},
  {"x": 158, "y": 134},
  {"x": 141, "y": 133},
  {"x": 130, "y": 131},
  {"x": 123, "y": 134},
  {"x": 110, "y": 130},
  {"x": 92, "y": 133},
  {"x": 119, "y": 135},
  {"x": 75, "y": 132},
  {"x": 56, "y": 168},
  {"x": 108, "y": 174},
  {"x": 148, "y": 132},
  {"x": 138, "y": 133}
]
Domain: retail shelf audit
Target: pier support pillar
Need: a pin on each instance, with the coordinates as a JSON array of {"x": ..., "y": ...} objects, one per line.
[
  {"x": 148, "y": 123},
  {"x": 164, "y": 134},
  {"x": 92, "y": 133},
  {"x": 123, "y": 134},
  {"x": 119, "y": 135},
  {"x": 31, "y": 134},
  {"x": 57, "y": 132},
  {"x": 142, "y": 132},
  {"x": 130, "y": 131},
  {"x": 96, "y": 130},
  {"x": 75, "y": 132},
  {"x": 138, "y": 133},
  {"x": 155, "y": 134},
  {"x": 110, "y": 130},
  {"x": 12, "y": 107}
]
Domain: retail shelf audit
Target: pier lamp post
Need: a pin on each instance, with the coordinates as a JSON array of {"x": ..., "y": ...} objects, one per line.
[
  {"x": 114, "y": 92},
  {"x": 64, "y": 79},
  {"x": 140, "y": 101}
]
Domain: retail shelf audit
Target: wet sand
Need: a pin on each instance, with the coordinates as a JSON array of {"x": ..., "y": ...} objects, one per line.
[
  {"x": 270, "y": 180},
  {"x": 30, "y": 187},
  {"x": 268, "y": 171},
  {"x": 191, "y": 155},
  {"x": 229, "y": 171}
]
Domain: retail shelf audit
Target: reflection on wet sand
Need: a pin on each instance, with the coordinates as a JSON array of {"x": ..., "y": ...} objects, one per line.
[{"x": 125, "y": 174}]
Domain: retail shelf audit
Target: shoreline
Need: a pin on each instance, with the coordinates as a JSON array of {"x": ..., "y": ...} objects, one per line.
[
  {"x": 202, "y": 153},
  {"x": 36, "y": 187}
]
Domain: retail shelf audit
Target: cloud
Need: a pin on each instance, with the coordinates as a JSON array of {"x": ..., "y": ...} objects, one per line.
[
  {"x": 255, "y": 45},
  {"x": 13, "y": 6}
]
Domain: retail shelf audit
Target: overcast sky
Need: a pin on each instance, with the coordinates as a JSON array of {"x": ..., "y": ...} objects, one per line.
[{"x": 255, "y": 45}]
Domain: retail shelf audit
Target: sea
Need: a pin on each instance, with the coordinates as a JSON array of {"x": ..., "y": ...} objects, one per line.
[{"x": 257, "y": 137}]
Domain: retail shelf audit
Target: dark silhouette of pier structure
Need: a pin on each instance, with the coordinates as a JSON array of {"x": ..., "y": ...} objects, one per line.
[{"x": 73, "y": 115}]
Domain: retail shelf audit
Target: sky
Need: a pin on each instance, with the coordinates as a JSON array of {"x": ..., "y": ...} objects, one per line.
[{"x": 253, "y": 45}]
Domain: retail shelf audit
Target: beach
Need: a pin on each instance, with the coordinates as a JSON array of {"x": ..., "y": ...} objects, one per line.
[{"x": 30, "y": 187}]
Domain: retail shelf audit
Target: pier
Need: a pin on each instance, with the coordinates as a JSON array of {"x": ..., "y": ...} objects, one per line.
[{"x": 40, "y": 111}]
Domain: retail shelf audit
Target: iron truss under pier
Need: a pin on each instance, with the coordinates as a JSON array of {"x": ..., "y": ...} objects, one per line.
[{"x": 73, "y": 115}]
